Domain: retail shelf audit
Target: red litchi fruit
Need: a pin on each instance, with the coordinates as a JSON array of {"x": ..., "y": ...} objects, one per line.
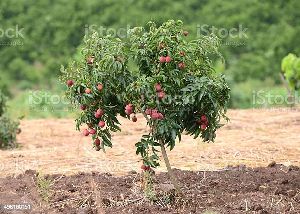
[
  {"x": 100, "y": 87},
  {"x": 93, "y": 131},
  {"x": 157, "y": 87},
  {"x": 168, "y": 59},
  {"x": 181, "y": 65},
  {"x": 101, "y": 124},
  {"x": 88, "y": 91},
  {"x": 97, "y": 142},
  {"x": 162, "y": 59},
  {"x": 70, "y": 83},
  {"x": 86, "y": 132}
]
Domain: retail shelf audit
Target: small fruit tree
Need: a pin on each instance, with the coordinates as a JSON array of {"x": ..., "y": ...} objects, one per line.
[{"x": 157, "y": 73}]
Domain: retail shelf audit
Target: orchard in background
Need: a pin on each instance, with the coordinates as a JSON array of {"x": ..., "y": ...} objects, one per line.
[{"x": 156, "y": 72}]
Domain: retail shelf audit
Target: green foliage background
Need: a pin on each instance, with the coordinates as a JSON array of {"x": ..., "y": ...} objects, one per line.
[{"x": 54, "y": 29}]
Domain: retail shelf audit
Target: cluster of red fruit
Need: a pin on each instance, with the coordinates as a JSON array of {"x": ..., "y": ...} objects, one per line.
[
  {"x": 129, "y": 109},
  {"x": 203, "y": 122},
  {"x": 87, "y": 132},
  {"x": 166, "y": 59},
  {"x": 98, "y": 114},
  {"x": 89, "y": 91},
  {"x": 154, "y": 114},
  {"x": 92, "y": 131},
  {"x": 160, "y": 92},
  {"x": 97, "y": 141}
]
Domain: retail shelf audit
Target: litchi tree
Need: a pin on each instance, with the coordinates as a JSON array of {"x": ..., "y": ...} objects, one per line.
[{"x": 157, "y": 72}]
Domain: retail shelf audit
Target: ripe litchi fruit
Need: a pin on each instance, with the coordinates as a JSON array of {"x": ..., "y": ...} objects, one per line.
[
  {"x": 83, "y": 107},
  {"x": 203, "y": 118},
  {"x": 148, "y": 111},
  {"x": 203, "y": 126},
  {"x": 161, "y": 95},
  {"x": 100, "y": 87},
  {"x": 97, "y": 142},
  {"x": 86, "y": 132},
  {"x": 181, "y": 65},
  {"x": 182, "y": 53},
  {"x": 155, "y": 115},
  {"x": 128, "y": 112},
  {"x": 93, "y": 131},
  {"x": 157, "y": 87},
  {"x": 129, "y": 109},
  {"x": 101, "y": 124},
  {"x": 168, "y": 59},
  {"x": 129, "y": 106},
  {"x": 99, "y": 113},
  {"x": 88, "y": 91},
  {"x": 70, "y": 83},
  {"x": 162, "y": 59},
  {"x": 160, "y": 116}
]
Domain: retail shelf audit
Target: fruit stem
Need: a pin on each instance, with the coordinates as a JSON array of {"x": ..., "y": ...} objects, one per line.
[{"x": 168, "y": 165}]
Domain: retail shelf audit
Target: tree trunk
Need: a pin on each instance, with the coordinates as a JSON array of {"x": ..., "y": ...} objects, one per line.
[
  {"x": 167, "y": 162},
  {"x": 170, "y": 172}
]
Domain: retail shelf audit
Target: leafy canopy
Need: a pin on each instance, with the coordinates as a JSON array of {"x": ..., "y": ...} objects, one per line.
[{"x": 156, "y": 72}]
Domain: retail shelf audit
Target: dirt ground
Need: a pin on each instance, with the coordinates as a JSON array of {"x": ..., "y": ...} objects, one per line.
[
  {"x": 252, "y": 137},
  {"x": 268, "y": 190},
  {"x": 55, "y": 170}
]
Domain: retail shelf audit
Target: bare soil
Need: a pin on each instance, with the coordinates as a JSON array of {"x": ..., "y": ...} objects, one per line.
[
  {"x": 252, "y": 137},
  {"x": 77, "y": 179},
  {"x": 273, "y": 189}
]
